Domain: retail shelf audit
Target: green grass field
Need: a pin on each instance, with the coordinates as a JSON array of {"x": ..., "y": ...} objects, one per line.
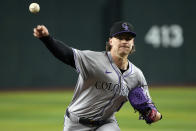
[{"x": 44, "y": 111}]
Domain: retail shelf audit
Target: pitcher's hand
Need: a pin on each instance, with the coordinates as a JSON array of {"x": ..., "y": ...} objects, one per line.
[{"x": 40, "y": 31}]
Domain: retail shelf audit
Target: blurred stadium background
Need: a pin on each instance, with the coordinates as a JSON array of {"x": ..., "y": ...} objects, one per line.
[{"x": 35, "y": 87}]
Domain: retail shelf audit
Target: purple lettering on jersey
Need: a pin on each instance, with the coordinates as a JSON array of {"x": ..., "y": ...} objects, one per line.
[{"x": 116, "y": 88}]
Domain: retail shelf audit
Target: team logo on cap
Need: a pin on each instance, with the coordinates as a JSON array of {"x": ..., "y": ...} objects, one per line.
[{"x": 125, "y": 26}]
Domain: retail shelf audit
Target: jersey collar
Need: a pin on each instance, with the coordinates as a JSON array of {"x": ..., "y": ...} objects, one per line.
[{"x": 126, "y": 73}]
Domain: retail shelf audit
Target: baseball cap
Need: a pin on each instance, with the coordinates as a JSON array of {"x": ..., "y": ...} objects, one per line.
[{"x": 121, "y": 27}]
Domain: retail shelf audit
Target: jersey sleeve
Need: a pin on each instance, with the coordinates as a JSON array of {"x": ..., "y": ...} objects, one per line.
[
  {"x": 83, "y": 62},
  {"x": 59, "y": 49}
]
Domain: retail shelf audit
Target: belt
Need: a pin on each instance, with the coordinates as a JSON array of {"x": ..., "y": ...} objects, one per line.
[{"x": 86, "y": 121}]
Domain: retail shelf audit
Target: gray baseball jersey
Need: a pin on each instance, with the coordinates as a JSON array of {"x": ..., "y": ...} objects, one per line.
[{"x": 101, "y": 88}]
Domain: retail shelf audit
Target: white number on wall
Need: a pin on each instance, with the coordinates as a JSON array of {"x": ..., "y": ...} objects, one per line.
[{"x": 165, "y": 36}]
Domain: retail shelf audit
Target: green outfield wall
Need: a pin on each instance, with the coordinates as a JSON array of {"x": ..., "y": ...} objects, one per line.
[{"x": 165, "y": 42}]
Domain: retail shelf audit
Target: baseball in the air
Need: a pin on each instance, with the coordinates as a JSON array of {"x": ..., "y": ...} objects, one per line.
[{"x": 34, "y": 8}]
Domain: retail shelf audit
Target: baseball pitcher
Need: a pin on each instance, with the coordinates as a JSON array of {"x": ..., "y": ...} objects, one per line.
[{"x": 106, "y": 81}]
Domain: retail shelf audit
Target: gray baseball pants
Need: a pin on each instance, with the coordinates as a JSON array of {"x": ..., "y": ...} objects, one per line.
[{"x": 69, "y": 125}]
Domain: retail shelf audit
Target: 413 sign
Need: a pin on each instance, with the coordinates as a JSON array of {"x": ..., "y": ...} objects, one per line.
[{"x": 165, "y": 36}]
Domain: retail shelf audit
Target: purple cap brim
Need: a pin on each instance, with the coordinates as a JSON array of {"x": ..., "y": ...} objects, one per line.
[{"x": 132, "y": 33}]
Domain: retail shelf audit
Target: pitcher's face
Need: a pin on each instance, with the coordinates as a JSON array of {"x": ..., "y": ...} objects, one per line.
[{"x": 122, "y": 44}]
